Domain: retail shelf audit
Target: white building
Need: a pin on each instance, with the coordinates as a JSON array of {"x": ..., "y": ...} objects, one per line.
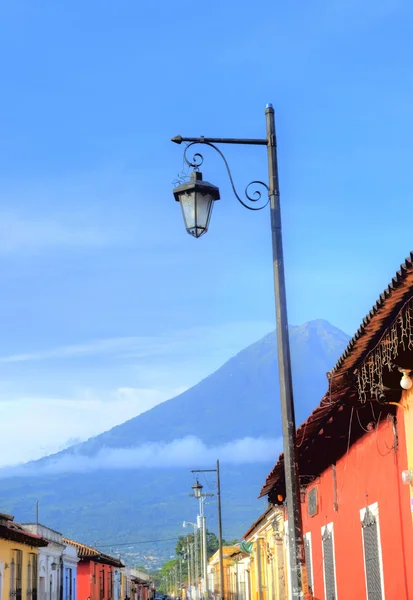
[{"x": 57, "y": 565}]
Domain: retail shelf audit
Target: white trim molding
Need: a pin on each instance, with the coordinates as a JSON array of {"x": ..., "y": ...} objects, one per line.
[
  {"x": 307, "y": 536},
  {"x": 287, "y": 555},
  {"x": 374, "y": 509},
  {"x": 330, "y": 529}
]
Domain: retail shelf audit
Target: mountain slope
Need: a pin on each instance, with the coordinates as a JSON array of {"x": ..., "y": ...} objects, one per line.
[
  {"x": 239, "y": 400},
  {"x": 247, "y": 383}
]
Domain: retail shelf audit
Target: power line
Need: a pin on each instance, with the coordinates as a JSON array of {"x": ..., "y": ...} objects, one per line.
[{"x": 135, "y": 543}]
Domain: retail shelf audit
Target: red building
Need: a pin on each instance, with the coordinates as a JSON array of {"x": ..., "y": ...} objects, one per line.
[
  {"x": 98, "y": 574},
  {"x": 353, "y": 451}
]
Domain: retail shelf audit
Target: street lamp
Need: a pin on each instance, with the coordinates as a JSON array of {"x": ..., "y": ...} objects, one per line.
[
  {"x": 196, "y": 198},
  {"x": 197, "y": 489},
  {"x": 196, "y": 222}
]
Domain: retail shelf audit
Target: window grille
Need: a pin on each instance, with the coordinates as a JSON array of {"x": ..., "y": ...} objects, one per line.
[
  {"x": 307, "y": 546},
  {"x": 18, "y": 577},
  {"x": 372, "y": 556},
  {"x": 329, "y": 567},
  {"x": 12, "y": 578},
  {"x": 102, "y": 584},
  {"x": 34, "y": 563},
  {"x": 110, "y": 585},
  {"x": 29, "y": 578}
]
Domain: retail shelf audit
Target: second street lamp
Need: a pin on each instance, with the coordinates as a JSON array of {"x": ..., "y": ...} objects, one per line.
[
  {"x": 197, "y": 489},
  {"x": 196, "y": 222}
]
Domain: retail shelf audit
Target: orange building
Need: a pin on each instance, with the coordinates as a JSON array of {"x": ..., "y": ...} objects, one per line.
[{"x": 355, "y": 454}]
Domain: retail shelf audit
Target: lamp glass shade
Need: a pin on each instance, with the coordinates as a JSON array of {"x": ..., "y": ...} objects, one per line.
[
  {"x": 196, "y": 198},
  {"x": 197, "y": 489},
  {"x": 196, "y": 210}
]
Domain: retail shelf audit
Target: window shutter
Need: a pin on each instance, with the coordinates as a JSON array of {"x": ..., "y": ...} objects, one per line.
[
  {"x": 329, "y": 568},
  {"x": 371, "y": 556}
]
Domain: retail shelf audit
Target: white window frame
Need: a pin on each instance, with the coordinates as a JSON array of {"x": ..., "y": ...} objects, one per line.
[
  {"x": 307, "y": 536},
  {"x": 330, "y": 528},
  {"x": 374, "y": 509},
  {"x": 287, "y": 554}
]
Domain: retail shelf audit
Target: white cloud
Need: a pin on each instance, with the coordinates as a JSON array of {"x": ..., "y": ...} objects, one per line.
[
  {"x": 42, "y": 426},
  {"x": 179, "y": 453}
]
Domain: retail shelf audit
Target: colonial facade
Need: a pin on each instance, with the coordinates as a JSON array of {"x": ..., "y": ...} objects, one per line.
[
  {"x": 267, "y": 570},
  {"x": 213, "y": 572},
  {"x": 57, "y": 566},
  {"x": 18, "y": 560},
  {"x": 355, "y": 454},
  {"x": 37, "y": 563},
  {"x": 240, "y": 576},
  {"x": 95, "y": 573}
]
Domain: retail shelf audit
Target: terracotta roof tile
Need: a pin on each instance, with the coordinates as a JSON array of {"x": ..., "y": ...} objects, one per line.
[
  {"x": 88, "y": 552},
  {"x": 341, "y": 384}
]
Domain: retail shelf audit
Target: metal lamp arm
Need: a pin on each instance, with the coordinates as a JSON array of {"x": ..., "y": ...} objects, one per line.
[{"x": 197, "y": 161}]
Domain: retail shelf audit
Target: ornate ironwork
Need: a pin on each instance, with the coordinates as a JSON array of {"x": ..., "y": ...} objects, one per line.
[
  {"x": 372, "y": 556},
  {"x": 250, "y": 197},
  {"x": 329, "y": 566}
]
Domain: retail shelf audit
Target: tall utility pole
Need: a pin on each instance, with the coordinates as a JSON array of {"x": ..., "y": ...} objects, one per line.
[
  {"x": 189, "y": 566},
  {"x": 196, "y": 563},
  {"x": 191, "y": 546},
  {"x": 221, "y": 553},
  {"x": 204, "y": 549},
  {"x": 193, "y": 195},
  {"x": 201, "y": 522}
]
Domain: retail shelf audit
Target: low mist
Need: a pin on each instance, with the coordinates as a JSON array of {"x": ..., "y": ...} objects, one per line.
[{"x": 179, "y": 453}]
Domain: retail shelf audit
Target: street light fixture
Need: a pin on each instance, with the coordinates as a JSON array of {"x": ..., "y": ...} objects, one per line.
[
  {"x": 197, "y": 489},
  {"x": 196, "y": 198},
  {"x": 197, "y": 226}
]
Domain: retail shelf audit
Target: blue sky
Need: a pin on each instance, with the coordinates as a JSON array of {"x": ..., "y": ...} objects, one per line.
[{"x": 107, "y": 305}]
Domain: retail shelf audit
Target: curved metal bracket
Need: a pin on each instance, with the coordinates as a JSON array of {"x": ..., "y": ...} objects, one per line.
[{"x": 254, "y": 196}]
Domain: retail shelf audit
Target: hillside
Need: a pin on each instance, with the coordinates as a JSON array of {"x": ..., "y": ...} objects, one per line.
[{"x": 123, "y": 503}]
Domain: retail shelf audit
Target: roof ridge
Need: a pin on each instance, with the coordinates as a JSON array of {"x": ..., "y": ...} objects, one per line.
[{"x": 404, "y": 269}]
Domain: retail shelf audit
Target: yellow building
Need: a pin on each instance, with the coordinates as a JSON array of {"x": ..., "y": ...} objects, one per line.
[
  {"x": 18, "y": 560},
  {"x": 213, "y": 571},
  {"x": 264, "y": 541},
  {"x": 240, "y": 580}
]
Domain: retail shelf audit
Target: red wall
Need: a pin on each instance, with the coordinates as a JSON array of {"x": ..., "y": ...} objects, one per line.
[
  {"x": 371, "y": 472},
  {"x": 88, "y": 580}
]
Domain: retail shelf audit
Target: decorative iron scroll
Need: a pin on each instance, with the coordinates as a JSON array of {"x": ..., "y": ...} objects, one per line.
[
  {"x": 312, "y": 504},
  {"x": 252, "y": 198},
  {"x": 398, "y": 336}
]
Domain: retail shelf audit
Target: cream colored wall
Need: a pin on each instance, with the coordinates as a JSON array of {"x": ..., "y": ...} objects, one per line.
[
  {"x": 7, "y": 549},
  {"x": 270, "y": 566}
]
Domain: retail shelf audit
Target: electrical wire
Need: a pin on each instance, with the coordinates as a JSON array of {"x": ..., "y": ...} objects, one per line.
[
  {"x": 348, "y": 449},
  {"x": 138, "y": 542}
]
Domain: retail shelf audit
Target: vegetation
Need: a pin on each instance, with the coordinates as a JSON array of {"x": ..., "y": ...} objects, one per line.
[{"x": 175, "y": 571}]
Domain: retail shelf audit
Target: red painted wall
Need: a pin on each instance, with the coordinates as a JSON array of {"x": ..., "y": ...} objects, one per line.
[
  {"x": 369, "y": 473},
  {"x": 88, "y": 580}
]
